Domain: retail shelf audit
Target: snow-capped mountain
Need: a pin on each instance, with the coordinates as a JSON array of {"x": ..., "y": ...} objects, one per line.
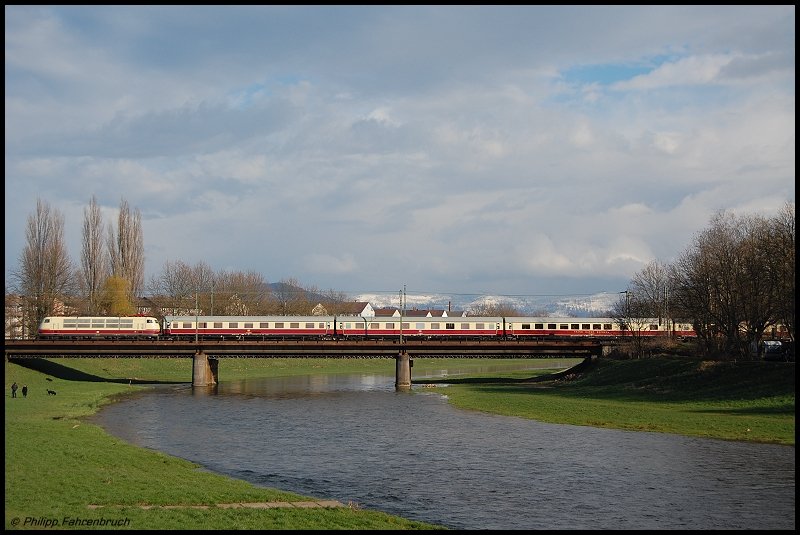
[{"x": 595, "y": 305}]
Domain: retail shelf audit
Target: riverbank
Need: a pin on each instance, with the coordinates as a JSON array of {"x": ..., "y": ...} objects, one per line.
[
  {"x": 57, "y": 464},
  {"x": 748, "y": 401}
]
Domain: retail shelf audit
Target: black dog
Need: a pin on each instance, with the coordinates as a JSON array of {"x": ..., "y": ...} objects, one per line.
[{"x": 51, "y": 392}]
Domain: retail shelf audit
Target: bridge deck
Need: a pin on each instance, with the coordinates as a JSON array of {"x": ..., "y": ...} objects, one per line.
[{"x": 301, "y": 348}]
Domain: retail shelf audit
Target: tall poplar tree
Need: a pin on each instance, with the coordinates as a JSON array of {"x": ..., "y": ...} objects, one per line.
[
  {"x": 94, "y": 263},
  {"x": 126, "y": 248}
]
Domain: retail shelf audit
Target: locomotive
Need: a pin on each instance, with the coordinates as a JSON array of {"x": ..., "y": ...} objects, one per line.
[
  {"x": 129, "y": 327},
  {"x": 351, "y": 327}
]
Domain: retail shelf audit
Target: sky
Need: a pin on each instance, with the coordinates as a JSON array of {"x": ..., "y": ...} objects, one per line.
[{"x": 511, "y": 150}]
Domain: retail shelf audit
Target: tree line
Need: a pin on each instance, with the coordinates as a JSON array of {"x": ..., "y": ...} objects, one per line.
[
  {"x": 109, "y": 278},
  {"x": 733, "y": 283}
]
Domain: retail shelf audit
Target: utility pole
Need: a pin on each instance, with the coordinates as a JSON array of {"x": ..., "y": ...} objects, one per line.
[
  {"x": 400, "y": 297},
  {"x": 196, "y": 317}
]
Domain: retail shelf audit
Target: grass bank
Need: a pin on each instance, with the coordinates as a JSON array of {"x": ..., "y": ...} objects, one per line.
[
  {"x": 749, "y": 401},
  {"x": 58, "y": 465}
]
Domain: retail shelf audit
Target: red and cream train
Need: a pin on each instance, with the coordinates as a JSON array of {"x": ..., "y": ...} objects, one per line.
[{"x": 334, "y": 327}]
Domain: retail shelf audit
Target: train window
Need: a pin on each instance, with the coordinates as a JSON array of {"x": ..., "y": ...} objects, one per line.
[
  {"x": 46, "y": 320},
  {"x": 435, "y": 326},
  {"x": 359, "y": 325},
  {"x": 449, "y": 325},
  {"x": 374, "y": 326},
  {"x": 390, "y": 325},
  {"x": 248, "y": 325},
  {"x": 279, "y": 325},
  {"x": 407, "y": 325},
  {"x": 526, "y": 326},
  {"x": 233, "y": 325},
  {"x": 263, "y": 325},
  {"x": 309, "y": 325},
  {"x": 653, "y": 327},
  {"x": 585, "y": 326},
  {"x": 202, "y": 325},
  {"x": 419, "y": 325},
  {"x": 294, "y": 325},
  {"x": 574, "y": 326},
  {"x": 465, "y": 326},
  {"x": 538, "y": 325},
  {"x": 479, "y": 325},
  {"x": 607, "y": 326},
  {"x": 596, "y": 326},
  {"x": 551, "y": 325},
  {"x": 564, "y": 326},
  {"x": 218, "y": 325}
]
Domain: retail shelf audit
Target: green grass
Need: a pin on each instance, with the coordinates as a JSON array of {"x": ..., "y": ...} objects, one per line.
[
  {"x": 148, "y": 370},
  {"x": 57, "y": 464},
  {"x": 741, "y": 401}
]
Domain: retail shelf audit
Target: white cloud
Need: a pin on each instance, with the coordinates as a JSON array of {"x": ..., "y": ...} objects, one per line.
[{"x": 402, "y": 145}]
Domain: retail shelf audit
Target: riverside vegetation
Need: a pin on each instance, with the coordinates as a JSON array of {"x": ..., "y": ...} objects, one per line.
[{"x": 57, "y": 464}]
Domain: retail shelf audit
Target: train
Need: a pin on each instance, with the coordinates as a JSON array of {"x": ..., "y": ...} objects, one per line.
[{"x": 350, "y": 327}]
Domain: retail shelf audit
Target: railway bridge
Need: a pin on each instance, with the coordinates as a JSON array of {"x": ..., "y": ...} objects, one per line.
[{"x": 206, "y": 354}]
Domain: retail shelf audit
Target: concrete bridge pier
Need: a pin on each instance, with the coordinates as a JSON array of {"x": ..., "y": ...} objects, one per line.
[
  {"x": 403, "y": 364},
  {"x": 205, "y": 370}
]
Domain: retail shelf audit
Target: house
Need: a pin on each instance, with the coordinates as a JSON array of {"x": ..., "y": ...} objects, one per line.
[
  {"x": 356, "y": 308},
  {"x": 434, "y": 313}
]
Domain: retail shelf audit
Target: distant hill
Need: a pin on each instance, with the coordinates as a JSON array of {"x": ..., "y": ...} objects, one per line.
[{"x": 597, "y": 305}]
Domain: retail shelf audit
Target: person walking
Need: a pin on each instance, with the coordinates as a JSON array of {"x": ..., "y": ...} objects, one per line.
[
  {"x": 24, "y": 391},
  {"x": 14, "y": 390}
]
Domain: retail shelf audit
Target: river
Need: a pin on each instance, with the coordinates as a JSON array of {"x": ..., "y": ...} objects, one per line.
[{"x": 353, "y": 438}]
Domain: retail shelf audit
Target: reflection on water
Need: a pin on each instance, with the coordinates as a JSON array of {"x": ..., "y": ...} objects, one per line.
[{"x": 354, "y": 438}]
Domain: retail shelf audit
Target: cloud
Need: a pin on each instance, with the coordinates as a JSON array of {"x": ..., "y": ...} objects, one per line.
[{"x": 517, "y": 148}]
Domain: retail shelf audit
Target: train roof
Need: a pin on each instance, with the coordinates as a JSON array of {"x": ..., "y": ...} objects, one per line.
[
  {"x": 101, "y": 317},
  {"x": 251, "y": 318},
  {"x": 560, "y": 319}
]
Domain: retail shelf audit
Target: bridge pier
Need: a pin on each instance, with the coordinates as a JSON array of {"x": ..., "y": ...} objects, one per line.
[
  {"x": 403, "y": 364},
  {"x": 205, "y": 370}
]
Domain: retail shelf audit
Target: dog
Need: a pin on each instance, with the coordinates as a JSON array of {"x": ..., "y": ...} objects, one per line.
[{"x": 51, "y": 392}]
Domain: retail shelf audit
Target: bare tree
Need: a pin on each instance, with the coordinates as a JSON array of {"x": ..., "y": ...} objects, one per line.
[
  {"x": 94, "y": 263},
  {"x": 174, "y": 290},
  {"x": 126, "y": 248},
  {"x": 493, "y": 309},
  {"x": 289, "y": 297},
  {"x": 731, "y": 279},
  {"x": 651, "y": 287},
  {"x": 241, "y": 293},
  {"x": 333, "y": 300},
  {"x": 634, "y": 314},
  {"x": 45, "y": 274},
  {"x": 782, "y": 253}
]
